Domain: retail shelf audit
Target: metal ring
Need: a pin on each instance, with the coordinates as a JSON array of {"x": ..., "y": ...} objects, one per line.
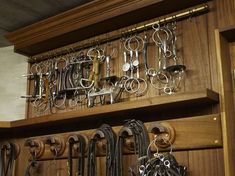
[
  {"x": 130, "y": 83},
  {"x": 126, "y": 44},
  {"x": 157, "y": 76},
  {"x": 156, "y": 28},
  {"x": 33, "y": 67},
  {"x": 140, "y": 92},
  {"x": 99, "y": 56},
  {"x": 139, "y": 40},
  {"x": 61, "y": 104},
  {"x": 61, "y": 60},
  {"x": 160, "y": 40},
  {"x": 149, "y": 148},
  {"x": 168, "y": 90},
  {"x": 167, "y": 163},
  {"x": 87, "y": 80},
  {"x": 43, "y": 67}
]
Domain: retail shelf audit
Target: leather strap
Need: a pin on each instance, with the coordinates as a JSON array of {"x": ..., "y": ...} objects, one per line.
[
  {"x": 81, "y": 155},
  {"x": 7, "y": 159},
  {"x": 31, "y": 165}
]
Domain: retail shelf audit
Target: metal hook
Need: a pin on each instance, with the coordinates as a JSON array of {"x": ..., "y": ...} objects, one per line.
[{"x": 153, "y": 142}]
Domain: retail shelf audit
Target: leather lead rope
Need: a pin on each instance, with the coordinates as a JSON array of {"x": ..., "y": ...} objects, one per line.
[
  {"x": 141, "y": 143},
  {"x": 81, "y": 155},
  {"x": 31, "y": 165},
  {"x": 70, "y": 159},
  {"x": 105, "y": 131},
  {"x": 7, "y": 159}
]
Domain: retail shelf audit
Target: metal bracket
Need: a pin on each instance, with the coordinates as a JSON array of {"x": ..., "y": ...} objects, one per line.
[{"x": 75, "y": 140}]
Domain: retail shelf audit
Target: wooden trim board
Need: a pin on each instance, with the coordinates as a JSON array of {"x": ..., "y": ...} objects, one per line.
[
  {"x": 198, "y": 132},
  {"x": 226, "y": 102}
]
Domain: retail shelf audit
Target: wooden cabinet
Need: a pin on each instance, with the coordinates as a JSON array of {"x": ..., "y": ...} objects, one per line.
[{"x": 203, "y": 109}]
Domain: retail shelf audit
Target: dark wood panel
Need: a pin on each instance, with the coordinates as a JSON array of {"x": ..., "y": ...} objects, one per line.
[
  {"x": 195, "y": 53},
  {"x": 206, "y": 162},
  {"x": 72, "y": 27},
  {"x": 226, "y": 12},
  {"x": 227, "y": 102},
  {"x": 204, "y": 130},
  {"x": 199, "y": 162}
]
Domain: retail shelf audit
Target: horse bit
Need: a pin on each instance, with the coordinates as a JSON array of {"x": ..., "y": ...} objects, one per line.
[{"x": 86, "y": 78}]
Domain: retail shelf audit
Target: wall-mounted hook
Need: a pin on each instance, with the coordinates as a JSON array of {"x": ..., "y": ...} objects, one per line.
[
  {"x": 164, "y": 134},
  {"x": 127, "y": 134},
  {"x": 101, "y": 142},
  {"x": 11, "y": 149},
  {"x": 36, "y": 147},
  {"x": 57, "y": 145},
  {"x": 157, "y": 128},
  {"x": 77, "y": 143},
  {"x": 77, "y": 140}
]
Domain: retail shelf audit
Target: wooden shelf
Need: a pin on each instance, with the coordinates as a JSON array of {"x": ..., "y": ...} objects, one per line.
[
  {"x": 117, "y": 110},
  {"x": 5, "y": 124},
  {"x": 92, "y": 19}
]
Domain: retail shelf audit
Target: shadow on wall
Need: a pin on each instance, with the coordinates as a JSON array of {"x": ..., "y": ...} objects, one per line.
[{"x": 12, "y": 85}]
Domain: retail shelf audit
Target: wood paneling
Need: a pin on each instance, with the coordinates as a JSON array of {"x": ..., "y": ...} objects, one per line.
[
  {"x": 195, "y": 53},
  {"x": 199, "y": 162},
  {"x": 226, "y": 12},
  {"x": 206, "y": 162},
  {"x": 226, "y": 102}
]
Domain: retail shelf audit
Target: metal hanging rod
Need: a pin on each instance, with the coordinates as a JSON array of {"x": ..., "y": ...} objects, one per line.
[
  {"x": 66, "y": 50},
  {"x": 177, "y": 17}
]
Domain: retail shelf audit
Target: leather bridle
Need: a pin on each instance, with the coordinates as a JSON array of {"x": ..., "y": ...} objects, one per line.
[
  {"x": 104, "y": 132},
  {"x": 136, "y": 130},
  {"x": 80, "y": 142}
]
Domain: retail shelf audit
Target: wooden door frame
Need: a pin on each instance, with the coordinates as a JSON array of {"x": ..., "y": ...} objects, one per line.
[{"x": 226, "y": 100}]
